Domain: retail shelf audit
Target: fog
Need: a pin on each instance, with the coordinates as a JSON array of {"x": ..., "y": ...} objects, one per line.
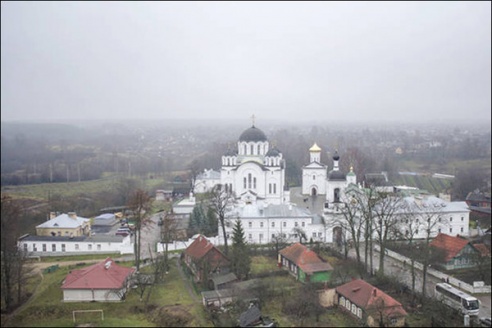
[{"x": 294, "y": 61}]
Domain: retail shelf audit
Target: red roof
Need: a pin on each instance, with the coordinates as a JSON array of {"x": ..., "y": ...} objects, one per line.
[
  {"x": 305, "y": 258},
  {"x": 451, "y": 245},
  {"x": 483, "y": 249},
  {"x": 200, "y": 247},
  {"x": 102, "y": 275},
  {"x": 368, "y": 297}
]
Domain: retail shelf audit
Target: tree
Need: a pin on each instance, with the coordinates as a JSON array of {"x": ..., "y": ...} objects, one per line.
[
  {"x": 385, "y": 208},
  {"x": 300, "y": 233},
  {"x": 241, "y": 258},
  {"x": 139, "y": 203},
  {"x": 169, "y": 232},
  {"x": 221, "y": 199},
  {"x": 14, "y": 269}
]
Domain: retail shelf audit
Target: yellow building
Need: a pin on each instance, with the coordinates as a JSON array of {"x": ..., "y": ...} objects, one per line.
[{"x": 68, "y": 225}]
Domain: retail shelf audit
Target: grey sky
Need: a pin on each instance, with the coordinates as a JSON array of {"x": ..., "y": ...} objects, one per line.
[{"x": 295, "y": 60}]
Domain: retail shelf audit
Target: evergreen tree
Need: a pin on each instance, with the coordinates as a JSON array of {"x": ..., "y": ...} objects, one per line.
[{"x": 241, "y": 258}]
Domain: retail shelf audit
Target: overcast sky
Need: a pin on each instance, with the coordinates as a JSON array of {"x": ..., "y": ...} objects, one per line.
[{"x": 321, "y": 61}]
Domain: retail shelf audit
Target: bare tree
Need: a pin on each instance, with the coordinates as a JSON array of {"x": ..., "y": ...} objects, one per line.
[
  {"x": 139, "y": 203},
  {"x": 169, "y": 232},
  {"x": 385, "y": 211},
  {"x": 14, "y": 268},
  {"x": 220, "y": 202},
  {"x": 300, "y": 233}
]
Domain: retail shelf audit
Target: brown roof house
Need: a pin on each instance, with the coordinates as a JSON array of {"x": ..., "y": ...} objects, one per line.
[
  {"x": 204, "y": 259},
  {"x": 371, "y": 305},
  {"x": 104, "y": 281},
  {"x": 457, "y": 252},
  {"x": 304, "y": 264}
]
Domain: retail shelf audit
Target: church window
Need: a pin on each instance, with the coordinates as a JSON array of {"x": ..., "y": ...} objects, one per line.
[
  {"x": 258, "y": 150},
  {"x": 274, "y": 188},
  {"x": 269, "y": 188},
  {"x": 285, "y": 224},
  {"x": 244, "y": 182},
  {"x": 250, "y": 224},
  {"x": 314, "y": 234},
  {"x": 461, "y": 229},
  {"x": 314, "y": 177},
  {"x": 303, "y": 223},
  {"x": 273, "y": 224},
  {"x": 462, "y": 218},
  {"x": 249, "y": 180},
  {"x": 451, "y": 219},
  {"x": 450, "y": 230},
  {"x": 439, "y": 230},
  {"x": 295, "y": 224},
  {"x": 261, "y": 224},
  {"x": 250, "y": 236},
  {"x": 336, "y": 195},
  {"x": 261, "y": 237},
  {"x": 53, "y": 247},
  {"x": 319, "y": 234},
  {"x": 89, "y": 247},
  {"x": 244, "y": 149},
  {"x": 251, "y": 149},
  {"x": 226, "y": 188},
  {"x": 254, "y": 183},
  {"x": 44, "y": 247}
]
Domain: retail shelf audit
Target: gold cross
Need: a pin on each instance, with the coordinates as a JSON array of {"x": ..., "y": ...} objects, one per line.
[{"x": 253, "y": 119}]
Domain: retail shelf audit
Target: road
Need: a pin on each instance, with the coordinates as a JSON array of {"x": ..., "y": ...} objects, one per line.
[{"x": 402, "y": 272}]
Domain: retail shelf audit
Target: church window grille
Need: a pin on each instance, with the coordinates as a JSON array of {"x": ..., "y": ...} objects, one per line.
[
  {"x": 249, "y": 180},
  {"x": 244, "y": 182},
  {"x": 254, "y": 183}
]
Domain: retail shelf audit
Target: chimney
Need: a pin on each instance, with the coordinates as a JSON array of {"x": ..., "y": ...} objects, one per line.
[
  {"x": 52, "y": 215},
  {"x": 72, "y": 215}
]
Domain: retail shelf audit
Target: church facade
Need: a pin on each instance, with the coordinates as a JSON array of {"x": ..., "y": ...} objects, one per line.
[{"x": 254, "y": 171}]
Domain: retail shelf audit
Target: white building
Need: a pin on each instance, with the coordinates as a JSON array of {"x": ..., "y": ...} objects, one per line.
[
  {"x": 255, "y": 171},
  {"x": 206, "y": 181},
  {"x": 263, "y": 223},
  {"x": 59, "y": 246}
]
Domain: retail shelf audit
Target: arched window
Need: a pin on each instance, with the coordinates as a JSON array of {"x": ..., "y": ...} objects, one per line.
[
  {"x": 258, "y": 149},
  {"x": 254, "y": 183},
  {"x": 314, "y": 177},
  {"x": 251, "y": 149},
  {"x": 244, "y": 183},
  {"x": 249, "y": 180},
  {"x": 336, "y": 194}
]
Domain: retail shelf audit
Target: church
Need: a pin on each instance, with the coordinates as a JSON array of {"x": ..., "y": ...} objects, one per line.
[{"x": 254, "y": 172}]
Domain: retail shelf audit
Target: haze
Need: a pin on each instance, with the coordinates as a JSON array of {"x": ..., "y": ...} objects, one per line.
[{"x": 297, "y": 61}]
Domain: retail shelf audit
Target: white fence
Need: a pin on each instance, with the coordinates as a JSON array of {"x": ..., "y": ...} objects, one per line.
[
  {"x": 182, "y": 245},
  {"x": 478, "y": 286}
]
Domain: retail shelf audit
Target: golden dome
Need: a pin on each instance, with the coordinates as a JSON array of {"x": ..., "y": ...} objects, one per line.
[{"x": 315, "y": 147}]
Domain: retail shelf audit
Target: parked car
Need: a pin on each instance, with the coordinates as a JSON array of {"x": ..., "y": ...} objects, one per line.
[
  {"x": 486, "y": 322},
  {"x": 123, "y": 232}
]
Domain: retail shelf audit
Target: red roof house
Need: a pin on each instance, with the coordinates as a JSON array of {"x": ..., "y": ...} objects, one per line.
[
  {"x": 103, "y": 281},
  {"x": 457, "y": 252},
  {"x": 203, "y": 259},
  {"x": 370, "y": 304},
  {"x": 304, "y": 263}
]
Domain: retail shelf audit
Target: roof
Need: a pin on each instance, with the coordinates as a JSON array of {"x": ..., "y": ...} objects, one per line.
[
  {"x": 209, "y": 175},
  {"x": 336, "y": 175},
  {"x": 223, "y": 279},
  {"x": 200, "y": 247},
  {"x": 273, "y": 152},
  {"x": 271, "y": 211},
  {"x": 102, "y": 275},
  {"x": 64, "y": 221},
  {"x": 483, "y": 249},
  {"x": 94, "y": 238},
  {"x": 315, "y": 147},
  {"x": 368, "y": 297},
  {"x": 106, "y": 216},
  {"x": 451, "y": 245},
  {"x": 253, "y": 134},
  {"x": 305, "y": 258},
  {"x": 250, "y": 316}
]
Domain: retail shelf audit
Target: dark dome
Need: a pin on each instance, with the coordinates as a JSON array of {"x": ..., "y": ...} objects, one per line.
[
  {"x": 230, "y": 152},
  {"x": 253, "y": 134},
  {"x": 336, "y": 175},
  {"x": 336, "y": 157},
  {"x": 273, "y": 152}
]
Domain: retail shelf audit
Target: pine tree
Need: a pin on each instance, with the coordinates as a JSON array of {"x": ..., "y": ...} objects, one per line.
[{"x": 241, "y": 258}]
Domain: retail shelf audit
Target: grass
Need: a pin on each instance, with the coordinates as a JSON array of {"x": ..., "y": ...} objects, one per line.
[{"x": 263, "y": 264}]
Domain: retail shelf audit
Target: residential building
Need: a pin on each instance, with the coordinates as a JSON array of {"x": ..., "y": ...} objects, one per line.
[
  {"x": 105, "y": 281},
  {"x": 304, "y": 264},
  {"x": 370, "y": 304},
  {"x": 204, "y": 259},
  {"x": 66, "y": 225},
  {"x": 457, "y": 252}
]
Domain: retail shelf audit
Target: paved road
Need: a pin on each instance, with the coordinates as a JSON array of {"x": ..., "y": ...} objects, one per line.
[{"x": 402, "y": 272}]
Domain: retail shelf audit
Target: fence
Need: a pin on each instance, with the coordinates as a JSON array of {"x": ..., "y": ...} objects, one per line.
[{"x": 477, "y": 287}]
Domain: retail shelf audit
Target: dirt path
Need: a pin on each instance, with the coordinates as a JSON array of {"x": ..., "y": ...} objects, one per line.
[{"x": 186, "y": 281}]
